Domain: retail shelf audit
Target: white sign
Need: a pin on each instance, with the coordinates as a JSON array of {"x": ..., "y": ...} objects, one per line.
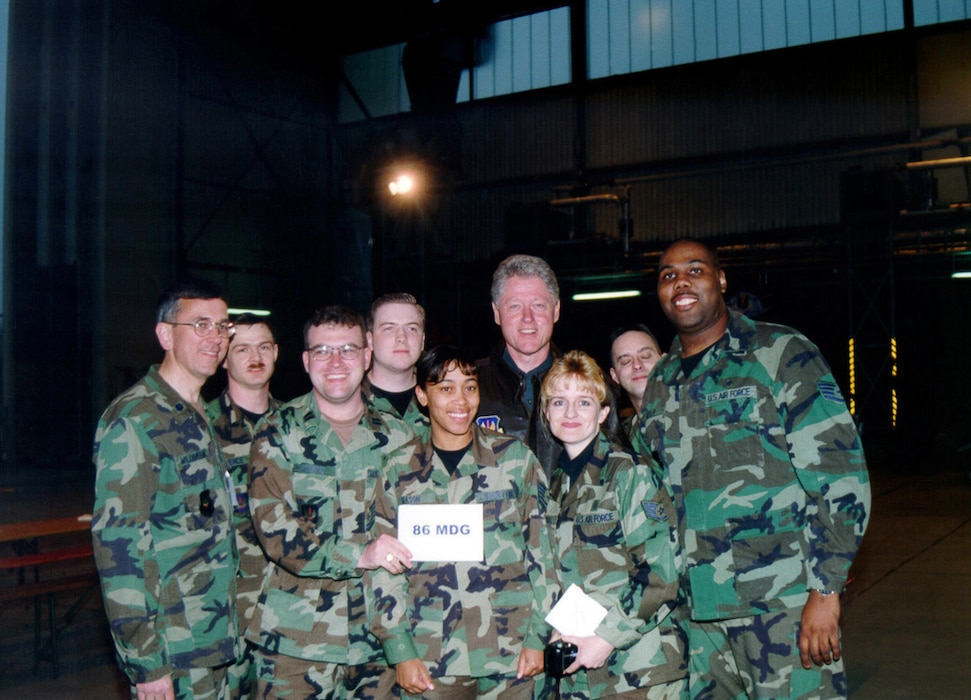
[
  {"x": 442, "y": 532},
  {"x": 576, "y": 613}
]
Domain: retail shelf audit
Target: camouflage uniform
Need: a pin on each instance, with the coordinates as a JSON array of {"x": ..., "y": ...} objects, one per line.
[
  {"x": 612, "y": 538},
  {"x": 163, "y": 535},
  {"x": 312, "y": 504},
  {"x": 413, "y": 416},
  {"x": 468, "y": 619},
  {"x": 234, "y": 429},
  {"x": 633, "y": 427},
  {"x": 770, "y": 486}
]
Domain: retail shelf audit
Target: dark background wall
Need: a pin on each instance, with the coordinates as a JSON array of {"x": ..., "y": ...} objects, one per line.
[{"x": 140, "y": 148}]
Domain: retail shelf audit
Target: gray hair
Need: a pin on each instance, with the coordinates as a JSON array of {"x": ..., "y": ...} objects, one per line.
[
  {"x": 170, "y": 303},
  {"x": 524, "y": 266}
]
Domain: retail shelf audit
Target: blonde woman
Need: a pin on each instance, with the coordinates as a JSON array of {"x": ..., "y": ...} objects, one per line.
[{"x": 612, "y": 537}]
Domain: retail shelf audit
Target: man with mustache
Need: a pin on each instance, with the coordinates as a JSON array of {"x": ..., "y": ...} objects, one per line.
[{"x": 249, "y": 365}]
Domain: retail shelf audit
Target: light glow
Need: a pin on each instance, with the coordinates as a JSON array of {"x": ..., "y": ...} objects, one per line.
[
  {"x": 601, "y": 296},
  {"x": 852, "y": 371},
  {"x": 893, "y": 390},
  {"x": 403, "y": 184},
  {"x": 256, "y": 312}
]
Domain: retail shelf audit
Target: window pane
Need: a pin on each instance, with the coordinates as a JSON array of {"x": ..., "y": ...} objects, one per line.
[
  {"x": 847, "y": 19},
  {"x": 750, "y": 18},
  {"x": 822, "y": 20},
  {"x": 683, "y": 30},
  {"x": 561, "y": 68},
  {"x": 662, "y": 34},
  {"x": 873, "y": 17},
  {"x": 952, "y": 10},
  {"x": 728, "y": 29},
  {"x": 797, "y": 22},
  {"x": 706, "y": 31},
  {"x": 598, "y": 40},
  {"x": 533, "y": 52},
  {"x": 774, "y": 25},
  {"x": 618, "y": 25}
]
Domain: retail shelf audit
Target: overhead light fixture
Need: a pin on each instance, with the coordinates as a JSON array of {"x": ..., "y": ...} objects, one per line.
[
  {"x": 405, "y": 179},
  {"x": 625, "y": 285},
  {"x": 255, "y": 312},
  {"x": 402, "y": 184},
  {"x": 601, "y": 296},
  {"x": 961, "y": 266}
]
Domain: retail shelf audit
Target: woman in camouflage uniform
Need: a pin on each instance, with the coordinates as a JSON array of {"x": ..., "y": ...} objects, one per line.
[
  {"x": 465, "y": 629},
  {"x": 612, "y": 538}
]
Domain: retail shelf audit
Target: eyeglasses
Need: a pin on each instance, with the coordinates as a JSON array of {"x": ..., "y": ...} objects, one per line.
[
  {"x": 203, "y": 327},
  {"x": 322, "y": 353}
]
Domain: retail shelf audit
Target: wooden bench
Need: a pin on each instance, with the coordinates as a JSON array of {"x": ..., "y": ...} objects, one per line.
[
  {"x": 37, "y": 558},
  {"x": 86, "y": 583},
  {"x": 24, "y": 538},
  {"x": 48, "y": 590}
]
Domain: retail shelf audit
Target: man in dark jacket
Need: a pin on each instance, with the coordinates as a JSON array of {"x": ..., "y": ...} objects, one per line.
[{"x": 526, "y": 306}]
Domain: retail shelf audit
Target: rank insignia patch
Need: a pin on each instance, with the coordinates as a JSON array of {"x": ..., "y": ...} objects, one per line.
[
  {"x": 655, "y": 511},
  {"x": 830, "y": 391}
]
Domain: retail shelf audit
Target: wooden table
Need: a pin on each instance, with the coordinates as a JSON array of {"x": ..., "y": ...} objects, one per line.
[{"x": 25, "y": 538}]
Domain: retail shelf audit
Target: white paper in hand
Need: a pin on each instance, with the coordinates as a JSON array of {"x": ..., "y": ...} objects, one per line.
[{"x": 576, "y": 614}]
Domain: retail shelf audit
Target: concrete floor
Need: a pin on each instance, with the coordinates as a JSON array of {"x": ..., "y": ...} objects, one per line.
[{"x": 907, "y": 625}]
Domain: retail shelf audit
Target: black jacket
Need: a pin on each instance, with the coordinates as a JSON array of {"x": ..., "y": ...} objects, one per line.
[{"x": 502, "y": 406}]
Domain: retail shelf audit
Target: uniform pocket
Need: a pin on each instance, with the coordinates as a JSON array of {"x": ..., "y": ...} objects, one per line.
[
  {"x": 599, "y": 545},
  {"x": 734, "y": 424},
  {"x": 205, "y": 495},
  {"x": 317, "y": 491}
]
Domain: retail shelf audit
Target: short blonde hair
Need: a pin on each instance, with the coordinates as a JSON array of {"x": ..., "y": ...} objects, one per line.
[{"x": 583, "y": 368}]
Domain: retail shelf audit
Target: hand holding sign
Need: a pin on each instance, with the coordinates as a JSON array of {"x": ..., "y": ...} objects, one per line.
[{"x": 442, "y": 532}]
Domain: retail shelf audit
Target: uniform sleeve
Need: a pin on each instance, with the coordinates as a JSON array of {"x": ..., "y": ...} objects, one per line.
[
  {"x": 126, "y": 481},
  {"x": 642, "y": 594},
  {"x": 539, "y": 552},
  {"x": 305, "y": 544},
  {"x": 389, "y": 611},
  {"x": 828, "y": 459}
]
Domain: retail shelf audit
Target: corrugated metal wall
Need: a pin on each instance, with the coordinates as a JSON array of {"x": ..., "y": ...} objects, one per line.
[{"x": 755, "y": 143}]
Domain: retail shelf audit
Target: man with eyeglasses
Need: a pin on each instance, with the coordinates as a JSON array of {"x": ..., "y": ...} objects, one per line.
[
  {"x": 313, "y": 468},
  {"x": 163, "y": 513},
  {"x": 396, "y": 336},
  {"x": 633, "y": 353},
  {"x": 249, "y": 366}
]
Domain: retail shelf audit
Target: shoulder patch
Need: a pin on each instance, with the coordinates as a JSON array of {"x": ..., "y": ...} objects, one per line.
[
  {"x": 542, "y": 496},
  {"x": 488, "y": 422},
  {"x": 830, "y": 391},
  {"x": 655, "y": 511}
]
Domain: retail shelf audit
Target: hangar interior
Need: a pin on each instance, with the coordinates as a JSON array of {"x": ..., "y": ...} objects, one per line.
[{"x": 250, "y": 143}]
